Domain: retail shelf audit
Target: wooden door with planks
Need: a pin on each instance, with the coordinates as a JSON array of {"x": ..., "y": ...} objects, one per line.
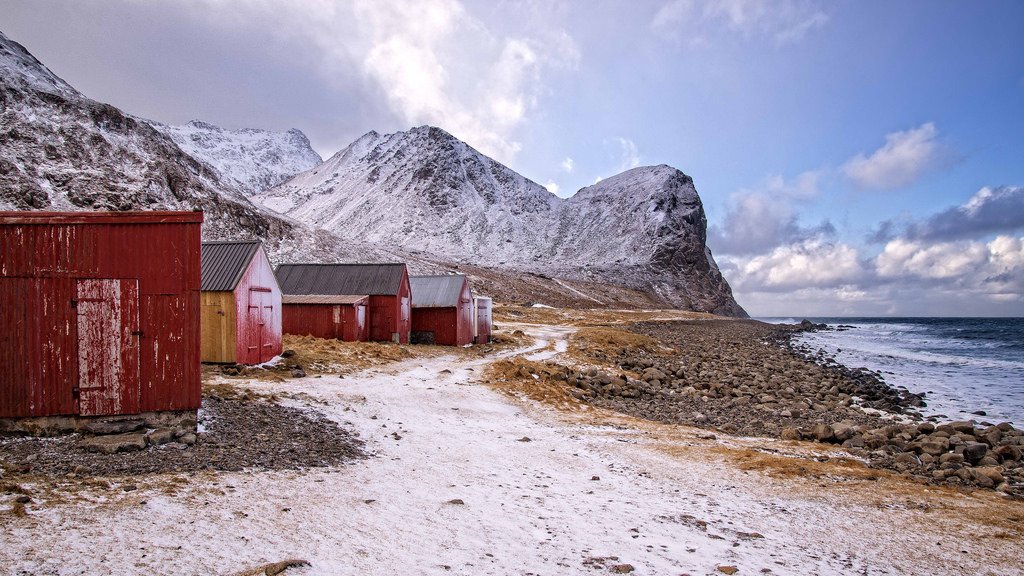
[{"x": 108, "y": 346}]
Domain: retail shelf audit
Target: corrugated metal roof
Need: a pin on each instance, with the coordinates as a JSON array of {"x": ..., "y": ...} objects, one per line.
[
  {"x": 224, "y": 263},
  {"x": 29, "y": 217},
  {"x": 322, "y": 298},
  {"x": 436, "y": 291},
  {"x": 372, "y": 279}
]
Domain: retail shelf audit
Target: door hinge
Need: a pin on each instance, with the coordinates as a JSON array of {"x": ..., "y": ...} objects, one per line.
[
  {"x": 138, "y": 333},
  {"x": 74, "y": 303}
]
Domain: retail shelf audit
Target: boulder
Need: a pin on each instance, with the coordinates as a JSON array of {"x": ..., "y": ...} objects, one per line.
[
  {"x": 974, "y": 452},
  {"x": 114, "y": 426},
  {"x": 934, "y": 447},
  {"x": 160, "y": 436},
  {"x": 822, "y": 432},
  {"x": 1008, "y": 453},
  {"x": 791, "y": 434},
  {"x": 113, "y": 443},
  {"x": 962, "y": 426},
  {"x": 843, "y": 431},
  {"x": 994, "y": 473}
]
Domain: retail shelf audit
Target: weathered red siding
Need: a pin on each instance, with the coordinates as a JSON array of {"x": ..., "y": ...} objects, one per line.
[
  {"x": 390, "y": 315},
  {"x": 44, "y": 260},
  {"x": 257, "y": 313},
  {"x": 339, "y": 321},
  {"x": 452, "y": 326}
]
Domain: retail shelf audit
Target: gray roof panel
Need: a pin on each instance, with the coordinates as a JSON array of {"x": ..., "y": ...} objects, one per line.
[
  {"x": 323, "y": 298},
  {"x": 371, "y": 279},
  {"x": 436, "y": 291},
  {"x": 224, "y": 263}
]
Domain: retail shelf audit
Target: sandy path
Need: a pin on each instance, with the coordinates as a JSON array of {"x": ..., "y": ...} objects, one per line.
[{"x": 663, "y": 503}]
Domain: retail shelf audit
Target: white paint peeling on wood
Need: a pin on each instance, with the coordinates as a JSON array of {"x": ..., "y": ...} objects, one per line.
[{"x": 108, "y": 359}]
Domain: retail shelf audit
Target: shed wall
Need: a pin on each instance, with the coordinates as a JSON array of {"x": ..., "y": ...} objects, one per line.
[
  {"x": 451, "y": 325},
  {"x": 40, "y": 264},
  {"x": 258, "y": 313},
  {"x": 390, "y": 315},
  {"x": 218, "y": 326},
  {"x": 340, "y": 321}
]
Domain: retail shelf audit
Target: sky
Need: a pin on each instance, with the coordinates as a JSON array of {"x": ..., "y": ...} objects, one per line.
[{"x": 854, "y": 158}]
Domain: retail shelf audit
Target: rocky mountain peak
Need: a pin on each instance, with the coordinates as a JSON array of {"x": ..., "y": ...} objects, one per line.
[
  {"x": 252, "y": 159},
  {"x": 426, "y": 191},
  {"x": 18, "y": 66}
]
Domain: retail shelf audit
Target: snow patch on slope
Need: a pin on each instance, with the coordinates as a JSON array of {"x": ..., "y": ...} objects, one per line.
[
  {"x": 252, "y": 159},
  {"x": 428, "y": 192}
]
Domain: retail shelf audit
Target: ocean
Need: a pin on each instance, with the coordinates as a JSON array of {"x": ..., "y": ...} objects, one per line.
[{"x": 962, "y": 364}]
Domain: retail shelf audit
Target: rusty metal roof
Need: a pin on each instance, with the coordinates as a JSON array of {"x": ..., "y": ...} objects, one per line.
[
  {"x": 100, "y": 217},
  {"x": 436, "y": 291},
  {"x": 224, "y": 263},
  {"x": 371, "y": 279},
  {"x": 323, "y": 298}
]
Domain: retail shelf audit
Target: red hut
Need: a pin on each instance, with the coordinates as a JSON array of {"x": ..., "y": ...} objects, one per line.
[
  {"x": 387, "y": 285},
  {"x": 324, "y": 316},
  {"x": 241, "y": 304},
  {"x": 442, "y": 310},
  {"x": 99, "y": 317},
  {"x": 482, "y": 322}
]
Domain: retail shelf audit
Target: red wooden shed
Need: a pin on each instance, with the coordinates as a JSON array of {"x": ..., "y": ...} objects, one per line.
[
  {"x": 99, "y": 315},
  {"x": 241, "y": 304},
  {"x": 482, "y": 321},
  {"x": 387, "y": 285},
  {"x": 324, "y": 316},
  {"x": 442, "y": 310}
]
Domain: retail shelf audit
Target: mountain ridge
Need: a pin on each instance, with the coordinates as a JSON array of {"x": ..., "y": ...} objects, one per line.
[
  {"x": 420, "y": 196},
  {"x": 425, "y": 191}
]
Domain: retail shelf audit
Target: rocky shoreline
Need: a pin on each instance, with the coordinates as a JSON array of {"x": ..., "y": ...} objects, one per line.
[{"x": 750, "y": 378}]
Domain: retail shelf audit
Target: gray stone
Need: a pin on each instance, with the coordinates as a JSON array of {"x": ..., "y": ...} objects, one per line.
[
  {"x": 934, "y": 447},
  {"x": 822, "y": 432},
  {"x": 962, "y": 426},
  {"x": 974, "y": 452},
  {"x": 114, "y": 426},
  {"x": 113, "y": 443},
  {"x": 791, "y": 434},
  {"x": 842, "y": 431},
  {"x": 160, "y": 436}
]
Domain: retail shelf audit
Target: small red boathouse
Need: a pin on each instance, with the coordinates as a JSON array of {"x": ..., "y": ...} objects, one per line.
[
  {"x": 241, "y": 304},
  {"x": 442, "y": 310},
  {"x": 99, "y": 315},
  {"x": 389, "y": 305}
]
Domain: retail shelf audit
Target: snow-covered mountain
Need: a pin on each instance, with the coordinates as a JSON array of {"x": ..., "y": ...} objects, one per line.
[
  {"x": 60, "y": 150},
  {"x": 427, "y": 192},
  {"x": 420, "y": 196},
  {"x": 251, "y": 159}
]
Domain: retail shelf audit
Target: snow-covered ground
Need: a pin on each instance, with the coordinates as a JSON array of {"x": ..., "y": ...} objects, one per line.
[{"x": 467, "y": 480}]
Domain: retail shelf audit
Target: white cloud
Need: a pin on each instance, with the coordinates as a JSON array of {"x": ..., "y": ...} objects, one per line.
[
  {"x": 553, "y": 187},
  {"x": 811, "y": 263},
  {"x": 568, "y": 164},
  {"x": 803, "y": 187},
  {"x": 944, "y": 260},
  {"x": 764, "y": 217},
  {"x": 430, "y": 61},
  {"x": 902, "y": 161},
  {"x": 907, "y": 278},
  {"x": 629, "y": 154},
  {"x": 784, "y": 21}
]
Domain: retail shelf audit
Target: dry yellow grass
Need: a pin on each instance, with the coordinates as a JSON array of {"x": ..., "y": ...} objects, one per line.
[
  {"x": 537, "y": 381},
  {"x": 593, "y": 317}
]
